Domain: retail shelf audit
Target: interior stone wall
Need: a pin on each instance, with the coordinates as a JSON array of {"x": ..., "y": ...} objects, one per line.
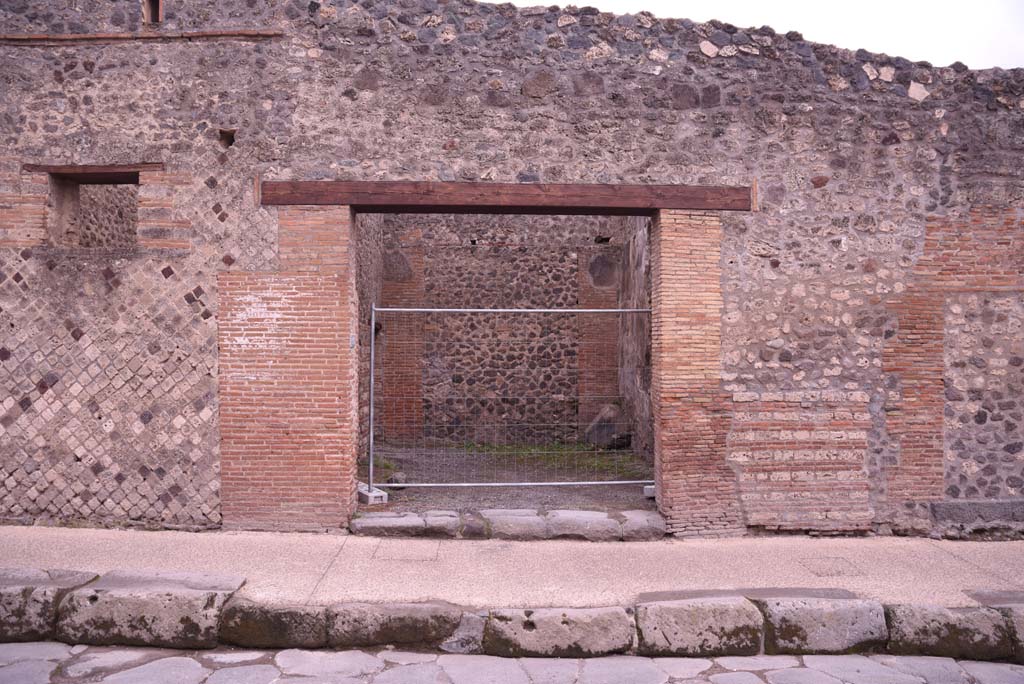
[
  {"x": 497, "y": 378},
  {"x": 635, "y": 334},
  {"x": 108, "y": 215},
  {"x": 369, "y": 257}
]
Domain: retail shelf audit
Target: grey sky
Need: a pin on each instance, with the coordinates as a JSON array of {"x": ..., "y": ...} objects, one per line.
[{"x": 979, "y": 33}]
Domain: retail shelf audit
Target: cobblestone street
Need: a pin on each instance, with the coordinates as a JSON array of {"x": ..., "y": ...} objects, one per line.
[{"x": 56, "y": 663}]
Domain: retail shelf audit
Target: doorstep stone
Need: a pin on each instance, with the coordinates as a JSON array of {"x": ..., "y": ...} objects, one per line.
[
  {"x": 558, "y": 632},
  {"x": 388, "y": 525},
  {"x": 256, "y": 625},
  {"x": 970, "y": 633},
  {"x": 589, "y": 525},
  {"x": 29, "y": 598},
  {"x": 445, "y": 524},
  {"x": 515, "y": 525},
  {"x": 825, "y": 626},
  {"x": 167, "y": 609},
  {"x": 370, "y": 624},
  {"x": 642, "y": 525},
  {"x": 700, "y": 627}
]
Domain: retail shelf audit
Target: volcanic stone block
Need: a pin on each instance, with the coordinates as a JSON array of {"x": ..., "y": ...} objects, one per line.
[
  {"x": 715, "y": 626},
  {"x": 441, "y": 524},
  {"x": 814, "y": 625},
  {"x": 468, "y": 638},
  {"x": 29, "y": 598},
  {"x": 642, "y": 525},
  {"x": 972, "y": 633},
  {"x": 589, "y": 525},
  {"x": 516, "y": 524},
  {"x": 168, "y": 609},
  {"x": 388, "y": 525},
  {"x": 255, "y": 625},
  {"x": 1015, "y": 614},
  {"x": 559, "y": 632},
  {"x": 369, "y": 624}
]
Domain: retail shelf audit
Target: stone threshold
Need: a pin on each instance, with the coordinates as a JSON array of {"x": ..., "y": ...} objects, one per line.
[
  {"x": 200, "y": 611},
  {"x": 518, "y": 524}
]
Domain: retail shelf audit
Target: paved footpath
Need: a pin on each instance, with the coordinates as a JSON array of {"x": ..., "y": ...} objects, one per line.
[
  {"x": 53, "y": 663},
  {"x": 320, "y": 569}
]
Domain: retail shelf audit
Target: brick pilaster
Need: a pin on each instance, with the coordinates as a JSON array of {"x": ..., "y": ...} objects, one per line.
[
  {"x": 697, "y": 490},
  {"x": 288, "y": 365}
]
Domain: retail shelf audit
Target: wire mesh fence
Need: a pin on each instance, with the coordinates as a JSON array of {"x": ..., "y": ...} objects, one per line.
[{"x": 500, "y": 397}]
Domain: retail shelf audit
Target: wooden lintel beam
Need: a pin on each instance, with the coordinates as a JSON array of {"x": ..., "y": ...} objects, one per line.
[
  {"x": 505, "y": 198},
  {"x": 95, "y": 174}
]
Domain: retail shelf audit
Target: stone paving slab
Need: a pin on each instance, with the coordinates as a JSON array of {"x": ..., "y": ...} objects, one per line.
[{"x": 49, "y": 663}]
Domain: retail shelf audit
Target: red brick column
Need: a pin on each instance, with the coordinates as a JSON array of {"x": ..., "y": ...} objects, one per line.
[
  {"x": 697, "y": 490},
  {"x": 288, "y": 380}
]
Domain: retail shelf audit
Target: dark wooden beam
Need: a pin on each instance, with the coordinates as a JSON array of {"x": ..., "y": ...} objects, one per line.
[
  {"x": 151, "y": 36},
  {"x": 95, "y": 174},
  {"x": 506, "y": 198}
]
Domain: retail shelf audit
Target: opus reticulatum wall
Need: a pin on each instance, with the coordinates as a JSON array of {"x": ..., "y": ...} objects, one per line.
[{"x": 856, "y": 343}]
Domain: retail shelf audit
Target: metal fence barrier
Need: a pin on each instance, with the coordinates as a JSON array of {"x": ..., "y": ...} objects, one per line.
[{"x": 499, "y": 398}]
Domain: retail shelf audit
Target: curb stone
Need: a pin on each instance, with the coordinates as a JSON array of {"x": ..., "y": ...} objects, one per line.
[
  {"x": 166, "y": 609},
  {"x": 180, "y": 610},
  {"x": 254, "y": 625},
  {"x": 29, "y": 599},
  {"x": 372, "y": 624},
  {"x": 971, "y": 633},
  {"x": 1015, "y": 616},
  {"x": 699, "y": 627},
  {"x": 795, "y": 626},
  {"x": 468, "y": 637},
  {"x": 559, "y": 632}
]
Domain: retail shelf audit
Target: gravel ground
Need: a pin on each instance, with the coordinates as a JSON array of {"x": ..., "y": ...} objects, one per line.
[
  {"x": 531, "y": 463},
  {"x": 53, "y": 663}
]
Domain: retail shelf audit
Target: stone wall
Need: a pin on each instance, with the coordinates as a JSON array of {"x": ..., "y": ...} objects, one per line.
[
  {"x": 836, "y": 297},
  {"x": 635, "y": 335},
  {"x": 498, "y": 378}
]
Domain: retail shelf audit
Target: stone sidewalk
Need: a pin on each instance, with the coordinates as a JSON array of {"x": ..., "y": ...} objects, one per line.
[
  {"x": 55, "y": 663},
  {"x": 321, "y": 569}
]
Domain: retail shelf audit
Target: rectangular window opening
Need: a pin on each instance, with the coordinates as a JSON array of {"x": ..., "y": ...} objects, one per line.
[
  {"x": 152, "y": 11},
  {"x": 89, "y": 214}
]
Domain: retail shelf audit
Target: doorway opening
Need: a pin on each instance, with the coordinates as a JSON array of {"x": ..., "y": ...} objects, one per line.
[{"x": 510, "y": 361}]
